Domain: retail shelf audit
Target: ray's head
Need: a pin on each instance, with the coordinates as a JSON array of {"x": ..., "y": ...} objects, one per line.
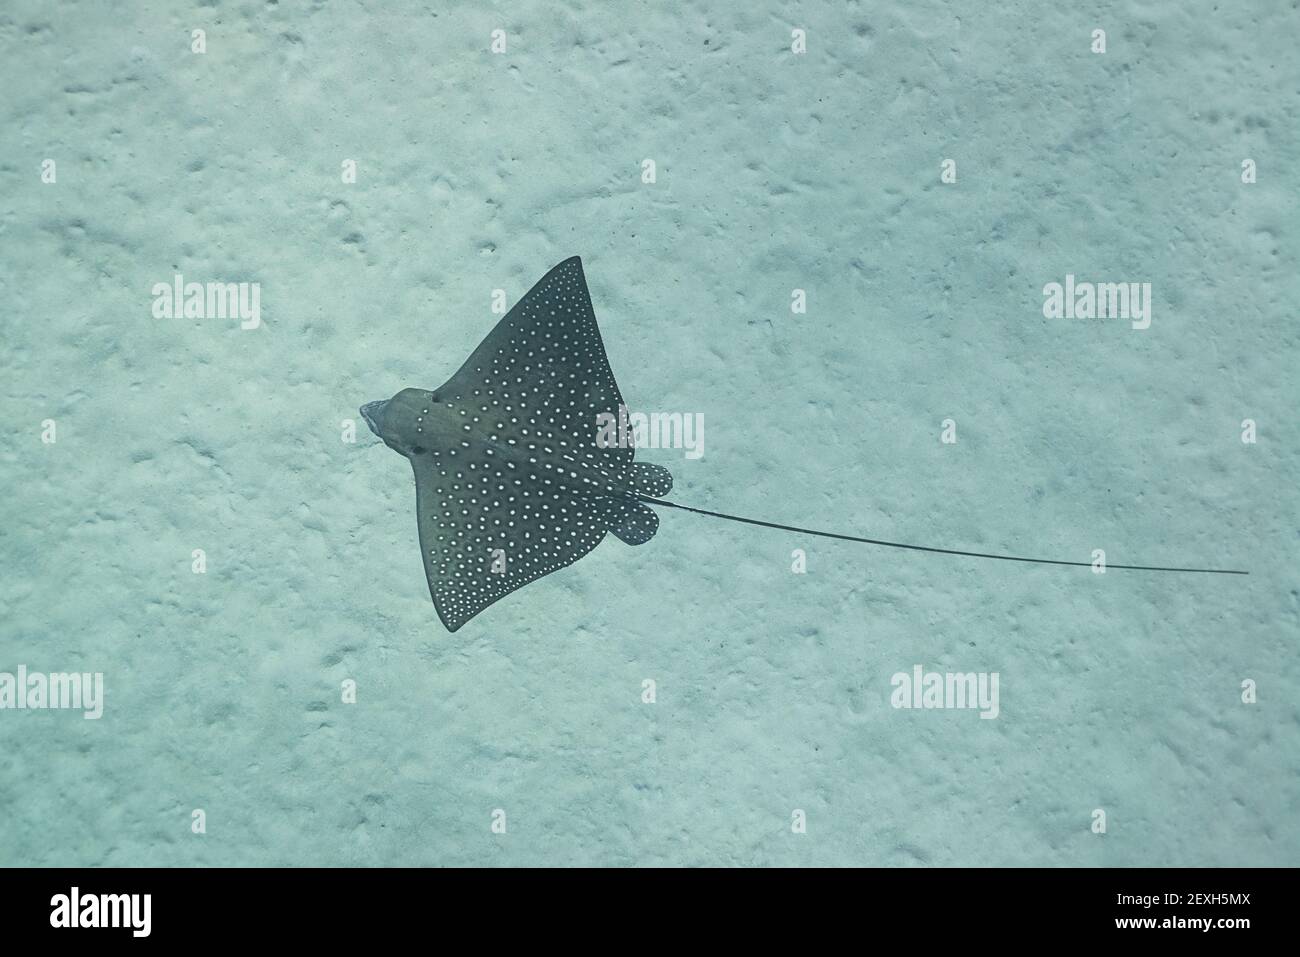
[{"x": 408, "y": 422}]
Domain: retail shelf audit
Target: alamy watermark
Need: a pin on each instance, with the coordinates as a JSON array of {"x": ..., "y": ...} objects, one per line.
[
  {"x": 37, "y": 690},
  {"x": 948, "y": 690},
  {"x": 75, "y": 909},
  {"x": 1098, "y": 300},
  {"x": 654, "y": 430},
  {"x": 214, "y": 300}
]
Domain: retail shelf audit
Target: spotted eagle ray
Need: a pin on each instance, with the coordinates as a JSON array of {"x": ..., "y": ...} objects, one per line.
[{"x": 511, "y": 479}]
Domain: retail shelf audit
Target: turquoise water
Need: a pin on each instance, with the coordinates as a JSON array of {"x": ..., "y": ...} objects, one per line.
[{"x": 774, "y": 171}]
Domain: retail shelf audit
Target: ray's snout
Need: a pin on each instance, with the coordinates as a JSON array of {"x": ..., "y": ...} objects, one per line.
[{"x": 372, "y": 412}]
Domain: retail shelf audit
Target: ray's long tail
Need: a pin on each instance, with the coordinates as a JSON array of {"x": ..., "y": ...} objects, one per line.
[{"x": 925, "y": 548}]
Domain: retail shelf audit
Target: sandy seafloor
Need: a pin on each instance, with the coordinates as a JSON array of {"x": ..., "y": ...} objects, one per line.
[{"x": 775, "y": 171}]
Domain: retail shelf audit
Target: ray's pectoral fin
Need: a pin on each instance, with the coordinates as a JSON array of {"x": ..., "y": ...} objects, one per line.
[
  {"x": 477, "y": 549},
  {"x": 634, "y": 523}
]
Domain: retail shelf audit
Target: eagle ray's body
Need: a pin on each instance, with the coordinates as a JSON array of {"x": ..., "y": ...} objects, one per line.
[{"x": 511, "y": 482}]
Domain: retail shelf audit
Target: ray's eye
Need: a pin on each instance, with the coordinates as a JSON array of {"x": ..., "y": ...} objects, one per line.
[
  {"x": 433, "y": 397},
  {"x": 418, "y": 450}
]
